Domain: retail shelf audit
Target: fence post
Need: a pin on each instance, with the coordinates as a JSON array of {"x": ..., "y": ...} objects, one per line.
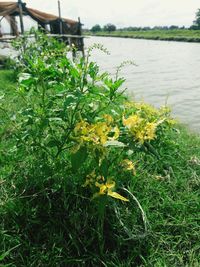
[
  {"x": 60, "y": 18},
  {"x": 21, "y": 16}
]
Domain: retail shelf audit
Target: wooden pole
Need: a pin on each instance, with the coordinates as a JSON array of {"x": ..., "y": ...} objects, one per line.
[
  {"x": 60, "y": 17},
  {"x": 81, "y": 41},
  {"x": 21, "y": 16}
]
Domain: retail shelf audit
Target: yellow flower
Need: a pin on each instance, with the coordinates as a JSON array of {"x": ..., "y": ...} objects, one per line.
[
  {"x": 97, "y": 133},
  {"x": 116, "y": 133},
  {"x": 171, "y": 122},
  {"x": 141, "y": 129},
  {"x": 108, "y": 118},
  {"x": 128, "y": 165},
  {"x": 140, "y": 136},
  {"x": 131, "y": 121},
  {"x": 81, "y": 127},
  {"x": 150, "y": 130},
  {"x": 107, "y": 189},
  {"x": 102, "y": 130}
]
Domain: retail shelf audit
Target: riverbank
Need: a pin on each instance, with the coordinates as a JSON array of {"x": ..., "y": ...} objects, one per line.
[{"x": 164, "y": 35}]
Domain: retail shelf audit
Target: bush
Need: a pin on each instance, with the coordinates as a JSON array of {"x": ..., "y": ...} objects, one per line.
[{"x": 76, "y": 143}]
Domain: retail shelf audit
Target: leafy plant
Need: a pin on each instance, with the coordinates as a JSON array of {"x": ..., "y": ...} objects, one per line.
[{"x": 75, "y": 141}]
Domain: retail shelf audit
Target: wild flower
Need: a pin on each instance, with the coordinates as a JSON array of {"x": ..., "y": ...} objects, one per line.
[
  {"x": 96, "y": 133},
  {"x": 106, "y": 187},
  {"x": 128, "y": 165},
  {"x": 139, "y": 128}
]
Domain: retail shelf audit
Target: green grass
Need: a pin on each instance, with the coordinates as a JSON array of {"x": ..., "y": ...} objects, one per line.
[
  {"x": 170, "y": 35},
  {"x": 9, "y": 102},
  {"x": 43, "y": 224}
]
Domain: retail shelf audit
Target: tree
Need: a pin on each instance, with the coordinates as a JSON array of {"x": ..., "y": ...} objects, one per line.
[
  {"x": 96, "y": 28},
  {"x": 173, "y": 27},
  {"x": 197, "y": 20},
  {"x": 109, "y": 27}
]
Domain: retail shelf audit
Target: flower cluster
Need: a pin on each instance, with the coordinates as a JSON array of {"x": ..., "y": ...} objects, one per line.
[
  {"x": 140, "y": 129},
  {"x": 96, "y": 133}
]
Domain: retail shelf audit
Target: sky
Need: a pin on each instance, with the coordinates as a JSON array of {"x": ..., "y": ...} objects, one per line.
[{"x": 123, "y": 13}]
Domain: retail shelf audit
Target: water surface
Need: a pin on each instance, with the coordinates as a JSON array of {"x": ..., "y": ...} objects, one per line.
[{"x": 166, "y": 72}]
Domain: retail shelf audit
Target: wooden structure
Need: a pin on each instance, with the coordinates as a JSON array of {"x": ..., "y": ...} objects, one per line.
[{"x": 68, "y": 30}]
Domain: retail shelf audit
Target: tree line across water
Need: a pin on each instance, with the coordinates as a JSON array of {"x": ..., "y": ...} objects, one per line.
[{"x": 109, "y": 27}]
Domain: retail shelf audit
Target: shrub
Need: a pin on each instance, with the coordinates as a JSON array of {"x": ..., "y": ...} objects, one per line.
[{"x": 74, "y": 144}]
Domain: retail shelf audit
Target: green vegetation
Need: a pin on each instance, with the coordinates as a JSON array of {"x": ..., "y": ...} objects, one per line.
[
  {"x": 196, "y": 25},
  {"x": 88, "y": 177},
  {"x": 96, "y": 28},
  {"x": 109, "y": 27},
  {"x": 169, "y": 35}
]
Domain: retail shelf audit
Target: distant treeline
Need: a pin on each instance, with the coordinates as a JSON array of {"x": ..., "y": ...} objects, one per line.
[{"x": 109, "y": 27}]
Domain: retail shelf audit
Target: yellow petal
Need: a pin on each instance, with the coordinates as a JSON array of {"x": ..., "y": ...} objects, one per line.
[
  {"x": 116, "y": 195},
  {"x": 110, "y": 184},
  {"x": 116, "y": 133},
  {"x": 102, "y": 188},
  {"x": 108, "y": 118}
]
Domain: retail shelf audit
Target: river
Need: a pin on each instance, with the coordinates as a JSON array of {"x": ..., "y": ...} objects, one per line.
[{"x": 166, "y": 72}]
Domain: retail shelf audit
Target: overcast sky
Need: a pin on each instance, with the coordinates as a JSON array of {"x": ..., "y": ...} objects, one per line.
[{"x": 123, "y": 12}]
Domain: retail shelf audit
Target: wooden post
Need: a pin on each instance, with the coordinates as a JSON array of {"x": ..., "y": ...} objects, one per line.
[
  {"x": 81, "y": 41},
  {"x": 21, "y": 16},
  {"x": 60, "y": 17}
]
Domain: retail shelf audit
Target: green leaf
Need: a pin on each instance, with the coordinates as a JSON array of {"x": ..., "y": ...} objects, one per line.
[
  {"x": 53, "y": 143},
  {"x": 104, "y": 167},
  {"x": 74, "y": 73},
  {"x": 114, "y": 143},
  {"x": 5, "y": 254},
  {"x": 55, "y": 119},
  {"x": 69, "y": 100},
  {"x": 79, "y": 158},
  {"x": 118, "y": 83},
  {"x": 26, "y": 80}
]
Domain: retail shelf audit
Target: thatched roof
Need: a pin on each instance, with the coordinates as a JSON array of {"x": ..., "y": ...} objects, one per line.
[{"x": 11, "y": 8}]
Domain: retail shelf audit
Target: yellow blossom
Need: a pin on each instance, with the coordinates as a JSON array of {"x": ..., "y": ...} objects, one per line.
[
  {"x": 107, "y": 189},
  {"x": 141, "y": 129},
  {"x": 128, "y": 165},
  {"x": 108, "y": 118},
  {"x": 131, "y": 121},
  {"x": 150, "y": 130},
  {"x": 97, "y": 133},
  {"x": 116, "y": 133},
  {"x": 171, "y": 122}
]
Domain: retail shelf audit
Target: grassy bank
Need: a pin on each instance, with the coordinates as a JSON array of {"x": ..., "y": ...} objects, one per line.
[
  {"x": 49, "y": 218},
  {"x": 168, "y": 35}
]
